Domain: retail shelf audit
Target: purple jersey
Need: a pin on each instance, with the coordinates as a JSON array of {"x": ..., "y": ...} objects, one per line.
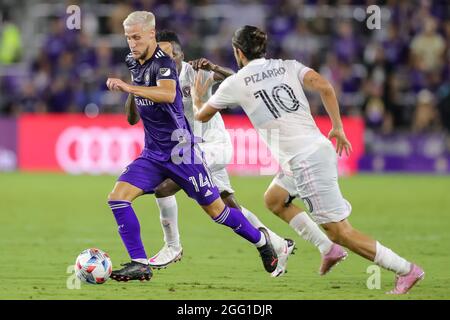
[{"x": 160, "y": 119}]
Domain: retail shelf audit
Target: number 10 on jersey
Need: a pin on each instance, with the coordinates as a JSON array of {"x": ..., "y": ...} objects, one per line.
[{"x": 291, "y": 106}]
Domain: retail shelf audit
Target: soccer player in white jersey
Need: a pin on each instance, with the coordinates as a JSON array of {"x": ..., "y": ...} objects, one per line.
[
  {"x": 217, "y": 147},
  {"x": 271, "y": 93}
]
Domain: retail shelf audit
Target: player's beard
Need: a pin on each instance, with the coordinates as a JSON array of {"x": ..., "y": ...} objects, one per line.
[{"x": 144, "y": 54}]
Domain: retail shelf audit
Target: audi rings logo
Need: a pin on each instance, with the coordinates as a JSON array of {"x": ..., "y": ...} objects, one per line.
[{"x": 97, "y": 150}]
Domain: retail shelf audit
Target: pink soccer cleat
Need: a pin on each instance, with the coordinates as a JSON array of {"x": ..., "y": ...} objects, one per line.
[
  {"x": 332, "y": 258},
  {"x": 404, "y": 283}
]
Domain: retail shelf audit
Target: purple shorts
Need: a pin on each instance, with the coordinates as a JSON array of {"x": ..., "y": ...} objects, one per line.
[{"x": 194, "y": 178}]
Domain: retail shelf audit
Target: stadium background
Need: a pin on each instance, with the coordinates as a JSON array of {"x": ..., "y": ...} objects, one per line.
[{"x": 57, "y": 117}]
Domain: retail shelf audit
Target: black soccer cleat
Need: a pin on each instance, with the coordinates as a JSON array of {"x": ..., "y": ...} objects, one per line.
[
  {"x": 133, "y": 271},
  {"x": 267, "y": 253}
]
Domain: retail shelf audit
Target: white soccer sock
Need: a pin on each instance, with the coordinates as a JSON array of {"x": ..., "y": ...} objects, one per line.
[
  {"x": 389, "y": 260},
  {"x": 253, "y": 219},
  {"x": 168, "y": 214},
  {"x": 143, "y": 261},
  {"x": 261, "y": 241},
  {"x": 310, "y": 231}
]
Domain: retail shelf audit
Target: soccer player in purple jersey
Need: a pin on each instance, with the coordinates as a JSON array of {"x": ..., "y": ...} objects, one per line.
[{"x": 158, "y": 100}]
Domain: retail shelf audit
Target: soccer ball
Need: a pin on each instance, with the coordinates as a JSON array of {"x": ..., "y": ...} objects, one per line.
[{"x": 93, "y": 266}]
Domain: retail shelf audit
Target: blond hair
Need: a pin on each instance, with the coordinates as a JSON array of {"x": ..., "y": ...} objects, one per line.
[{"x": 146, "y": 18}]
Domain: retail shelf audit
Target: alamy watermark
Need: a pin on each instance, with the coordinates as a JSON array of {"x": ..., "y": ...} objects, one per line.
[
  {"x": 73, "y": 282},
  {"x": 73, "y": 21},
  {"x": 249, "y": 145},
  {"x": 374, "y": 17},
  {"x": 373, "y": 14},
  {"x": 374, "y": 280}
]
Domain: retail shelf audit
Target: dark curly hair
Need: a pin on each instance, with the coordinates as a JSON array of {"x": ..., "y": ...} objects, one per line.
[
  {"x": 167, "y": 36},
  {"x": 251, "y": 41}
]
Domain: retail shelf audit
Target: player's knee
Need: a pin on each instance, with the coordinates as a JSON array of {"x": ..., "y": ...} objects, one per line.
[
  {"x": 273, "y": 203},
  {"x": 162, "y": 192},
  {"x": 117, "y": 195},
  {"x": 113, "y": 196},
  {"x": 166, "y": 189},
  {"x": 214, "y": 209},
  {"x": 229, "y": 200}
]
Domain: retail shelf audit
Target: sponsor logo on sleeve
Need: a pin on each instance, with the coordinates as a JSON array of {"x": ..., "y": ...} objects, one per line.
[{"x": 165, "y": 72}]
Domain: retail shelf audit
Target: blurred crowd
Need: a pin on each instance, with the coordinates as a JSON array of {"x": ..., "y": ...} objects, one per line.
[{"x": 396, "y": 77}]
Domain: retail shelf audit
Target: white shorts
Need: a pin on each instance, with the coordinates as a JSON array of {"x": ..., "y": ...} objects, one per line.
[
  {"x": 217, "y": 157},
  {"x": 222, "y": 180},
  {"x": 286, "y": 182},
  {"x": 316, "y": 181}
]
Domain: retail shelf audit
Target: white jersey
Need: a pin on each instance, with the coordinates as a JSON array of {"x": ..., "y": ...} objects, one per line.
[
  {"x": 270, "y": 92},
  {"x": 212, "y": 131}
]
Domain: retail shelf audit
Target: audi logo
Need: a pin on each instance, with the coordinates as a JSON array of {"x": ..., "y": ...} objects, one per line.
[{"x": 96, "y": 150}]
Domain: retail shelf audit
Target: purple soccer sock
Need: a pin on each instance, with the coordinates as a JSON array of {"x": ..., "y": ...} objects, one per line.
[
  {"x": 129, "y": 228},
  {"x": 234, "y": 219}
]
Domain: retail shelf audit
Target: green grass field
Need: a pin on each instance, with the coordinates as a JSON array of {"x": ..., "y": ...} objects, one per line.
[{"x": 47, "y": 219}]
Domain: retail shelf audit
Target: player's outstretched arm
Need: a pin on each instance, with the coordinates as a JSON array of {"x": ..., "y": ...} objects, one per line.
[
  {"x": 202, "y": 111},
  {"x": 164, "y": 92},
  {"x": 220, "y": 73},
  {"x": 315, "y": 82},
  {"x": 205, "y": 112},
  {"x": 131, "y": 111}
]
